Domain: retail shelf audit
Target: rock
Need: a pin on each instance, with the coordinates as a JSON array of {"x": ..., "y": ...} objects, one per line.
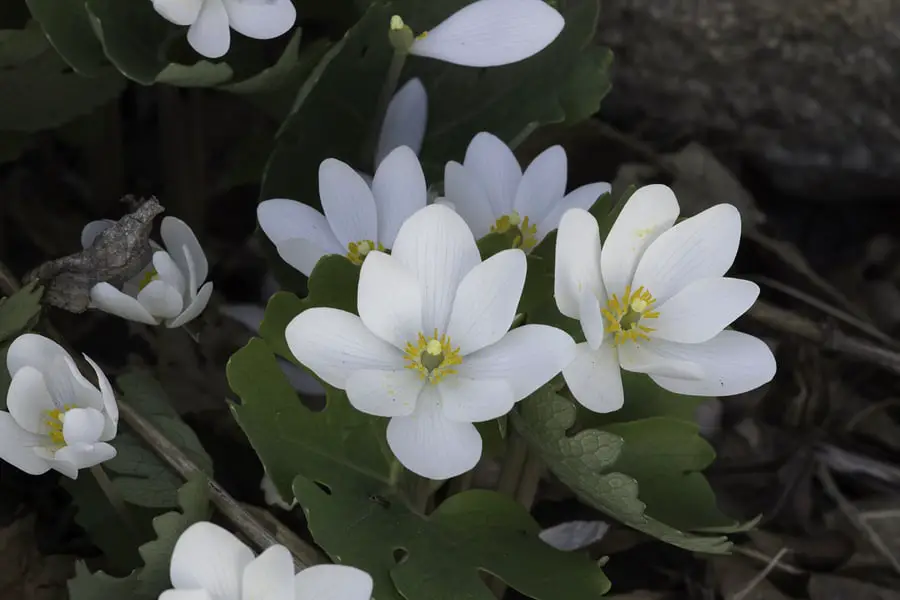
[{"x": 806, "y": 90}]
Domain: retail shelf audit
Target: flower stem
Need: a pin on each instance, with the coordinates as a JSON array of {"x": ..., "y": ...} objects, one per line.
[
  {"x": 513, "y": 463},
  {"x": 391, "y": 80},
  {"x": 115, "y": 498}
]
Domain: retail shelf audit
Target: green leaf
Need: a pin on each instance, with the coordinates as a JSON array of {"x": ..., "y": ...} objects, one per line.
[
  {"x": 137, "y": 473},
  {"x": 39, "y": 90},
  {"x": 20, "y": 311},
  {"x": 68, "y": 27},
  {"x": 275, "y": 77},
  {"x": 149, "y": 581},
  {"x": 588, "y": 84},
  {"x": 441, "y": 556},
  {"x": 201, "y": 74},
  {"x": 645, "y": 399},
  {"x": 337, "y": 107},
  {"x": 588, "y": 463}
]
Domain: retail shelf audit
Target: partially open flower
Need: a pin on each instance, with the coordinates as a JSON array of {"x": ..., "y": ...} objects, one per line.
[
  {"x": 489, "y": 33},
  {"x": 431, "y": 347},
  {"x": 57, "y": 419},
  {"x": 168, "y": 290},
  {"x": 655, "y": 301},
  {"x": 404, "y": 120},
  {"x": 210, "y": 563},
  {"x": 357, "y": 220},
  {"x": 211, "y": 20},
  {"x": 492, "y": 194}
]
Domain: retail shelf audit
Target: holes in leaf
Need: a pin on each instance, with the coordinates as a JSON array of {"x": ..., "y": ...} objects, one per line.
[
  {"x": 323, "y": 487},
  {"x": 400, "y": 555},
  {"x": 380, "y": 501},
  {"x": 363, "y": 51}
]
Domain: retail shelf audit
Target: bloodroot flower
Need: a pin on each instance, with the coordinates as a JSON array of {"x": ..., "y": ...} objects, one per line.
[
  {"x": 655, "y": 300},
  {"x": 57, "y": 419},
  {"x": 431, "y": 347}
]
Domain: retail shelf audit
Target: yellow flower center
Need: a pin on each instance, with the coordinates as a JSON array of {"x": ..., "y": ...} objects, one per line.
[
  {"x": 147, "y": 278},
  {"x": 626, "y": 318},
  {"x": 433, "y": 357},
  {"x": 526, "y": 232},
  {"x": 54, "y": 422},
  {"x": 357, "y": 251}
]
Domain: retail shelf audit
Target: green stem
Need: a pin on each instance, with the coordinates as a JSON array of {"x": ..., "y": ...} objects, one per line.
[
  {"x": 513, "y": 463},
  {"x": 115, "y": 498}
]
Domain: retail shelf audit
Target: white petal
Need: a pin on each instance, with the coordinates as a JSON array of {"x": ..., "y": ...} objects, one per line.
[
  {"x": 210, "y": 35},
  {"x": 161, "y": 300},
  {"x": 577, "y": 262},
  {"x": 33, "y": 350},
  {"x": 302, "y": 254},
  {"x": 28, "y": 400},
  {"x": 489, "y": 33},
  {"x": 429, "y": 444},
  {"x": 732, "y": 363},
  {"x": 83, "y": 425},
  {"x": 436, "y": 245},
  {"x": 179, "y": 12},
  {"x": 68, "y": 386},
  {"x": 592, "y": 323},
  {"x": 703, "y": 309},
  {"x": 494, "y": 165},
  {"x": 184, "y": 247},
  {"x": 261, "y": 20},
  {"x": 347, "y": 202},
  {"x": 333, "y": 344},
  {"x": 270, "y": 576},
  {"x": 465, "y": 195},
  {"x": 385, "y": 393},
  {"x": 110, "y": 406},
  {"x": 486, "y": 301},
  {"x": 473, "y": 401},
  {"x": 333, "y": 582},
  {"x": 90, "y": 231},
  {"x": 543, "y": 184},
  {"x": 697, "y": 248},
  {"x": 17, "y": 447},
  {"x": 81, "y": 455},
  {"x": 404, "y": 121},
  {"x": 399, "y": 189},
  {"x": 194, "y": 308},
  {"x": 649, "y": 212},
  {"x": 169, "y": 272},
  {"x": 282, "y": 220},
  {"x": 211, "y": 558},
  {"x": 584, "y": 197},
  {"x": 652, "y": 357},
  {"x": 185, "y": 595},
  {"x": 108, "y": 299},
  {"x": 594, "y": 378},
  {"x": 389, "y": 300},
  {"x": 527, "y": 358}
]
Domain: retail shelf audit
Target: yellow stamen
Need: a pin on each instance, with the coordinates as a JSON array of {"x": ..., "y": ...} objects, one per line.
[
  {"x": 434, "y": 358},
  {"x": 357, "y": 251},
  {"x": 397, "y": 23},
  {"x": 147, "y": 278},
  {"x": 526, "y": 232},
  {"x": 54, "y": 423},
  {"x": 626, "y": 317}
]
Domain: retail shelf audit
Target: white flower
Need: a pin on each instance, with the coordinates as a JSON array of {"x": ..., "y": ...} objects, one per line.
[
  {"x": 491, "y": 193},
  {"x": 167, "y": 290},
  {"x": 210, "y": 563},
  {"x": 357, "y": 220},
  {"x": 431, "y": 347},
  {"x": 655, "y": 301},
  {"x": 404, "y": 120},
  {"x": 212, "y": 20},
  {"x": 489, "y": 33},
  {"x": 57, "y": 419}
]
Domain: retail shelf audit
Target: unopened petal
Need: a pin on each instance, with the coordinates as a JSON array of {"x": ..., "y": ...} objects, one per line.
[
  {"x": 703, "y": 309},
  {"x": 429, "y": 444},
  {"x": 496, "y": 168},
  {"x": 28, "y": 400},
  {"x": 436, "y": 245},
  {"x": 489, "y": 33},
  {"x": 700, "y": 247},
  {"x": 649, "y": 212},
  {"x": 177, "y": 236},
  {"x": 108, "y": 299},
  {"x": 210, "y": 558},
  {"x": 83, "y": 425},
  {"x": 399, "y": 190},
  {"x": 405, "y": 120},
  {"x": 161, "y": 300},
  {"x": 210, "y": 34},
  {"x": 81, "y": 455},
  {"x": 110, "y": 406},
  {"x": 732, "y": 363},
  {"x": 577, "y": 262},
  {"x": 168, "y": 271},
  {"x": 261, "y": 20},
  {"x": 333, "y": 344},
  {"x": 33, "y": 350},
  {"x": 90, "y": 231},
  {"x": 194, "y": 308},
  {"x": 333, "y": 582},
  {"x": 594, "y": 378}
]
